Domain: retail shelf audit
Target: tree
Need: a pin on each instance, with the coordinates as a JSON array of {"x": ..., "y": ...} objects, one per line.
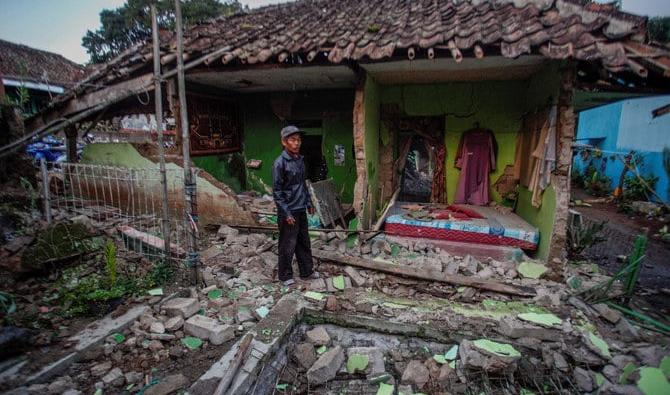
[
  {"x": 131, "y": 23},
  {"x": 659, "y": 29}
]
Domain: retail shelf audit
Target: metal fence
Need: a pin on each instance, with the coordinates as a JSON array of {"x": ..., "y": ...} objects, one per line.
[{"x": 126, "y": 201}]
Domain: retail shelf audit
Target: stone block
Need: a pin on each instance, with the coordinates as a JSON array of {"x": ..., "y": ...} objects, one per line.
[
  {"x": 326, "y": 367},
  {"x": 209, "y": 328},
  {"x": 184, "y": 307}
]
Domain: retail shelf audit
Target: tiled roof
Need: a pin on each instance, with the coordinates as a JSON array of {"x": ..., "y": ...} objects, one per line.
[
  {"x": 334, "y": 31},
  {"x": 25, "y": 63}
]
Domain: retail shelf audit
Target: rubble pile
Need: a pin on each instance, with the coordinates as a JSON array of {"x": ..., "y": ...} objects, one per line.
[{"x": 455, "y": 339}]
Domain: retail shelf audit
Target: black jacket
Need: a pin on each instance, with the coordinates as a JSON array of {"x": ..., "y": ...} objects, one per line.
[{"x": 289, "y": 189}]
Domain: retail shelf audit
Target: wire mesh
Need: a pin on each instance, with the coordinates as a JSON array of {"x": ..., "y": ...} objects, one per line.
[{"x": 127, "y": 200}]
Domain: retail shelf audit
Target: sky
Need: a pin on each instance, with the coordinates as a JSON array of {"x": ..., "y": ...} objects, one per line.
[{"x": 58, "y": 25}]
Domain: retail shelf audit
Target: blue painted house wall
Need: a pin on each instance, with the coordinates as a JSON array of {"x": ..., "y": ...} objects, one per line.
[{"x": 624, "y": 126}]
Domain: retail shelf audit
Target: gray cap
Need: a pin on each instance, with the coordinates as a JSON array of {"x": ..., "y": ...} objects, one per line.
[{"x": 289, "y": 130}]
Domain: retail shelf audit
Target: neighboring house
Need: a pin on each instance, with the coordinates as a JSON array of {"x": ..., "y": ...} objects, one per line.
[
  {"x": 372, "y": 81},
  {"x": 42, "y": 74},
  {"x": 641, "y": 125}
]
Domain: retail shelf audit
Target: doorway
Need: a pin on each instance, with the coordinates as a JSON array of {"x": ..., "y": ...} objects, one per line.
[
  {"x": 417, "y": 177},
  {"x": 315, "y": 163}
]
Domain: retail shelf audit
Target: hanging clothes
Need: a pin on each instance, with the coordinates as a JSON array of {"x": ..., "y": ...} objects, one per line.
[
  {"x": 476, "y": 157},
  {"x": 544, "y": 158}
]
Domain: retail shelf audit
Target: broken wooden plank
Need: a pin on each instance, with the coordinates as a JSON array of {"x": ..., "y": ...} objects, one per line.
[
  {"x": 391, "y": 202},
  {"x": 235, "y": 365},
  {"x": 148, "y": 240},
  {"x": 424, "y": 274},
  {"x": 112, "y": 93}
]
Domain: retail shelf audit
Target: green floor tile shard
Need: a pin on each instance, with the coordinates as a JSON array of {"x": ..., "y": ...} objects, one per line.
[
  {"x": 531, "y": 270},
  {"x": 548, "y": 320},
  {"x": 321, "y": 350},
  {"x": 215, "y": 294},
  {"x": 653, "y": 382},
  {"x": 501, "y": 349},
  {"x": 338, "y": 282},
  {"x": 318, "y": 296},
  {"x": 357, "y": 363},
  {"x": 155, "y": 292},
  {"x": 193, "y": 343},
  {"x": 665, "y": 366},
  {"x": 118, "y": 338},
  {"x": 439, "y": 358},
  {"x": 262, "y": 311},
  {"x": 627, "y": 372},
  {"x": 600, "y": 344},
  {"x": 452, "y": 353},
  {"x": 385, "y": 389},
  {"x": 452, "y": 364},
  {"x": 600, "y": 380}
]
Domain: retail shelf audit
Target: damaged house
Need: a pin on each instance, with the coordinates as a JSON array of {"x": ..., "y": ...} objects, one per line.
[
  {"x": 447, "y": 125},
  {"x": 459, "y": 114}
]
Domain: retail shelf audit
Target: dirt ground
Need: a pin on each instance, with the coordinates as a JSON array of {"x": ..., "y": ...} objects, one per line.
[{"x": 621, "y": 230}]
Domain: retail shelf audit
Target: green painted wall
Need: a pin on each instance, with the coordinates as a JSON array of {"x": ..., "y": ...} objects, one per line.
[
  {"x": 543, "y": 88},
  {"x": 493, "y": 104},
  {"x": 261, "y": 135},
  {"x": 227, "y": 168},
  {"x": 542, "y": 218}
]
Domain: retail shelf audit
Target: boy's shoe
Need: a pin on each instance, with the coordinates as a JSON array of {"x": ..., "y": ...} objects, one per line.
[{"x": 289, "y": 282}]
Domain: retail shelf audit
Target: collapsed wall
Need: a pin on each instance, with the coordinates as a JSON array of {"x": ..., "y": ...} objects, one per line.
[{"x": 216, "y": 202}]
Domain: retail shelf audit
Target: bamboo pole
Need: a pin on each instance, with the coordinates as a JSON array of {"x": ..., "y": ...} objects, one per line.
[
  {"x": 158, "y": 98},
  {"x": 189, "y": 184}
]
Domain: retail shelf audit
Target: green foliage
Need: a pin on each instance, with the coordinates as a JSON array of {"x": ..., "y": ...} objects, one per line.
[
  {"x": 160, "y": 274},
  {"x": 130, "y": 24},
  {"x": 596, "y": 183},
  {"x": 581, "y": 237},
  {"x": 659, "y": 29},
  {"x": 635, "y": 188},
  {"x": 110, "y": 263},
  {"x": 7, "y": 304},
  {"x": 33, "y": 195}
]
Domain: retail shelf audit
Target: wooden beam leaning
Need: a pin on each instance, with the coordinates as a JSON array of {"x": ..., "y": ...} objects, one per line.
[
  {"x": 423, "y": 274},
  {"x": 112, "y": 94}
]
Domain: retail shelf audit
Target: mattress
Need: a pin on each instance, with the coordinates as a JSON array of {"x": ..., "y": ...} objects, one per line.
[{"x": 492, "y": 227}]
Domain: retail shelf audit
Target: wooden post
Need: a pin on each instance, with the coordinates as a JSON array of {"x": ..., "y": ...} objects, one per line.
[
  {"x": 158, "y": 98},
  {"x": 45, "y": 190},
  {"x": 71, "y": 143},
  {"x": 189, "y": 179},
  {"x": 360, "y": 187}
]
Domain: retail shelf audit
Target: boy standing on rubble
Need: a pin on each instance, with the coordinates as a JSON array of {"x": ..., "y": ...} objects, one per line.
[{"x": 293, "y": 201}]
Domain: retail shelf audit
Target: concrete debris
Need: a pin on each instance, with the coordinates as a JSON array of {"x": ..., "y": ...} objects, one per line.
[
  {"x": 415, "y": 373},
  {"x": 184, "y": 307},
  {"x": 607, "y": 313},
  {"x": 114, "y": 378},
  {"x": 583, "y": 379},
  {"x": 207, "y": 328},
  {"x": 487, "y": 358},
  {"x": 305, "y": 355},
  {"x": 174, "y": 324},
  {"x": 326, "y": 367},
  {"x": 157, "y": 327},
  {"x": 318, "y": 336},
  {"x": 101, "y": 369}
]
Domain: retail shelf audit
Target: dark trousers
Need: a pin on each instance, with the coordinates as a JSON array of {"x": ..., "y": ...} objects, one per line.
[{"x": 294, "y": 239}]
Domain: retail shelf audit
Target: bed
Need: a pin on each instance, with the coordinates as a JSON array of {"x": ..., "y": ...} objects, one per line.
[{"x": 465, "y": 223}]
